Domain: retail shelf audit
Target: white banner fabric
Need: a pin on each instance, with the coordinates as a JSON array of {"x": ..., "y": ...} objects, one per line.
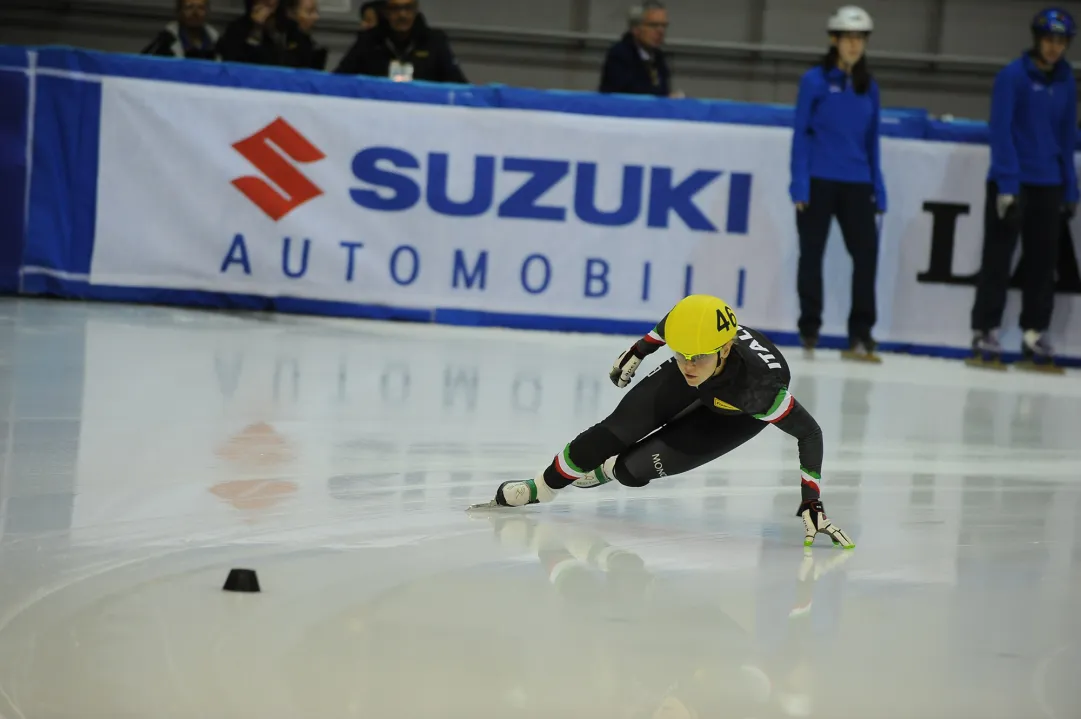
[{"x": 528, "y": 213}]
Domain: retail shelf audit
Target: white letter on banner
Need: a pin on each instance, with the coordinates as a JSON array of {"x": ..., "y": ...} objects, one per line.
[
  {"x": 303, "y": 259},
  {"x": 237, "y": 254},
  {"x": 478, "y": 275},
  {"x": 394, "y": 265}
]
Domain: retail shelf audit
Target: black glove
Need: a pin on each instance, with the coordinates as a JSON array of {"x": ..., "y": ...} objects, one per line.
[
  {"x": 1069, "y": 209},
  {"x": 623, "y": 370}
]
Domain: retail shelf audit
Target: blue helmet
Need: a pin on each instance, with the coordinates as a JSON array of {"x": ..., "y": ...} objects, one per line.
[{"x": 1054, "y": 21}]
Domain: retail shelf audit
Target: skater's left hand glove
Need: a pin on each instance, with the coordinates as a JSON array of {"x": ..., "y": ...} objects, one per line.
[
  {"x": 1069, "y": 209},
  {"x": 622, "y": 371},
  {"x": 815, "y": 521}
]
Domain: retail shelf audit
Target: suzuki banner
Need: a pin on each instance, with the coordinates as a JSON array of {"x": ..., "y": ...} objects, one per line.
[
  {"x": 524, "y": 218},
  {"x": 387, "y": 203}
]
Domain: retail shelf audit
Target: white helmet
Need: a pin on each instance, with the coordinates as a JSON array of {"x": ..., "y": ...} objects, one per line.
[{"x": 851, "y": 19}]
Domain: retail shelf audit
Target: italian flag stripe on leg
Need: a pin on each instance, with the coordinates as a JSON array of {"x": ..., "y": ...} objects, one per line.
[
  {"x": 809, "y": 477},
  {"x": 782, "y": 405},
  {"x": 565, "y": 466}
]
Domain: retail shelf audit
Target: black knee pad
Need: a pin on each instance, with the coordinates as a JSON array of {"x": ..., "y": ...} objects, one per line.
[{"x": 628, "y": 477}]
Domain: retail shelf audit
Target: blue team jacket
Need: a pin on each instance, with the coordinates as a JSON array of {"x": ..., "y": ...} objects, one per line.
[
  {"x": 835, "y": 135},
  {"x": 1034, "y": 127}
]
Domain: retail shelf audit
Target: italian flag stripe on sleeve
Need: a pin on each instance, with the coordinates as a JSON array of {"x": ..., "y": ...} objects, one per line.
[
  {"x": 782, "y": 405},
  {"x": 809, "y": 477},
  {"x": 654, "y": 338}
]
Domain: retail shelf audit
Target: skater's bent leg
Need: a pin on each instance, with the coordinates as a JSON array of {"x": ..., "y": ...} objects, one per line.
[
  {"x": 655, "y": 400},
  {"x": 659, "y": 397},
  {"x": 688, "y": 442}
]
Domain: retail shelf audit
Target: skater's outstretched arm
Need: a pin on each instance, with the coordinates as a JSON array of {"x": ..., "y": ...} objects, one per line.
[
  {"x": 625, "y": 365},
  {"x": 791, "y": 417},
  {"x": 788, "y": 415}
]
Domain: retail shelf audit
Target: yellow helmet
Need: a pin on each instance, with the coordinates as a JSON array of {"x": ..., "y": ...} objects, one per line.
[{"x": 699, "y": 325}]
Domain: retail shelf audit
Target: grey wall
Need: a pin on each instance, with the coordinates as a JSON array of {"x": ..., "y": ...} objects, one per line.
[{"x": 938, "y": 54}]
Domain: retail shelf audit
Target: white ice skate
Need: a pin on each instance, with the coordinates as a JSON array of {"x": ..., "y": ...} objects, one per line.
[
  {"x": 519, "y": 493},
  {"x": 814, "y": 521}
]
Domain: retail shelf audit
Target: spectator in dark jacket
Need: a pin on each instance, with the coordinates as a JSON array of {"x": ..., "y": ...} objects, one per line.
[
  {"x": 301, "y": 50},
  {"x": 188, "y": 36},
  {"x": 256, "y": 36},
  {"x": 273, "y": 33},
  {"x": 402, "y": 47},
  {"x": 636, "y": 65},
  {"x": 369, "y": 14}
]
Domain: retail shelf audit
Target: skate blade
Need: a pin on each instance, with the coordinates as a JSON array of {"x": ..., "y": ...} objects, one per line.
[
  {"x": 808, "y": 542},
  {"x": 1041, "y": 368},
  {"x": 978, "y": 363},
  {"x": 490, "y": 504},
  {"x": 861, "y": 357}
]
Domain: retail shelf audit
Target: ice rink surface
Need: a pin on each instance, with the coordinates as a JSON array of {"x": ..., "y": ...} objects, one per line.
[{"x": 146, "y": 451}]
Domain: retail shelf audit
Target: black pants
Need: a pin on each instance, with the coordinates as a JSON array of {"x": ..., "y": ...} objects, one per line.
[
  {"x": 853, "y": 204},
  {"x": 1037, "y": 217},
  {"x": 660, "y": 428}
]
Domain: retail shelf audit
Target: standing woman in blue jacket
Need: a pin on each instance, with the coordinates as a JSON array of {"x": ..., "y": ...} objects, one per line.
[
  {"x": 836, "y": 173},
  {"x": 1031, "y": 185}
]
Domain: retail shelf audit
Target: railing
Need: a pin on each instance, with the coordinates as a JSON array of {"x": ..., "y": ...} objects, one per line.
[{"x": 340, "y": 24}]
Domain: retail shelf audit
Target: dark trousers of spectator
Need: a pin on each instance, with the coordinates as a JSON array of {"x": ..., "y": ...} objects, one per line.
[
  {"x": 853, "y": 204},
  {"x": 1036, "y": 216}
]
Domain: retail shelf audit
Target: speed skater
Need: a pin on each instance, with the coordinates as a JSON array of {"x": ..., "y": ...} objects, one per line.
[{"x": 724, "y": 385}]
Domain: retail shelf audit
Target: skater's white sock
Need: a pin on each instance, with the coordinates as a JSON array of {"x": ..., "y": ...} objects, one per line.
[{"x": 544, "y": 492}]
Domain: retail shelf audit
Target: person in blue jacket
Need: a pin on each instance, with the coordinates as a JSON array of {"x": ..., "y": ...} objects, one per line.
[
  {"x": 1032, "y": 183},
  {"x": 836, "y": 172}
]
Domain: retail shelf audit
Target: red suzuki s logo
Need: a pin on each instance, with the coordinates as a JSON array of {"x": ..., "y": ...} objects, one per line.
[{"x": 274, "y": 151}]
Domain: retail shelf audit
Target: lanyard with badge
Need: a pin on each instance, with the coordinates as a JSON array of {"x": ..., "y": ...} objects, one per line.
[{"x": 400, "y": 70}]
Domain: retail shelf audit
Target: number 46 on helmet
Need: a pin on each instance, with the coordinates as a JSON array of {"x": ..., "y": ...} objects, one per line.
[{"x": 700, "y": 325}]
